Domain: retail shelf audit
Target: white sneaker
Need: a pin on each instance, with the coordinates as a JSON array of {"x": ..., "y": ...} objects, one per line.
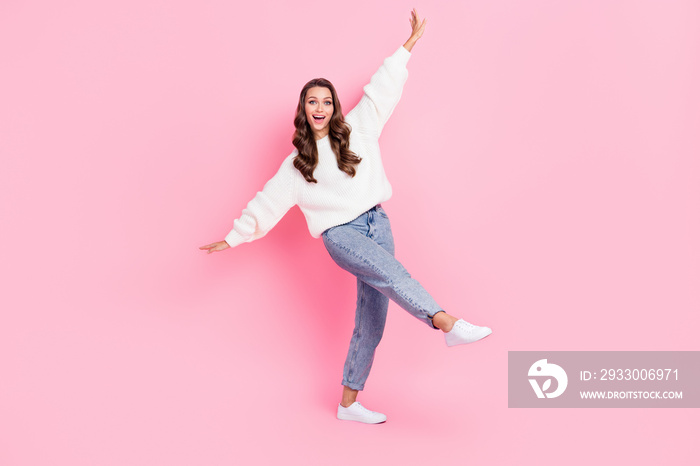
[
  {"x": 357, "y": 412},
  {"x": 463, "y": 332}
]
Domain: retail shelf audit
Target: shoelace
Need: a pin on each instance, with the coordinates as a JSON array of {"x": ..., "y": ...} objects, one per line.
[
  {"x": 362, "y": 408},
  {"x": 466, "y": 325},
  {"x": 365, "y": 410}
]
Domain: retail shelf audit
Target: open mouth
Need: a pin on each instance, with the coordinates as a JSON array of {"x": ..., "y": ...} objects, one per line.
[{"x": 319, "y": 118}]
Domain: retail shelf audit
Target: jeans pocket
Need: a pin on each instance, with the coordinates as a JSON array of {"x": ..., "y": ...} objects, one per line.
[{"x": 382, "y": 212}]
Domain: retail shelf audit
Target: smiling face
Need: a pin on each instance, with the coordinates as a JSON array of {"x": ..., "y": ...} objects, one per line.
[{"x": 319, "y": 110}]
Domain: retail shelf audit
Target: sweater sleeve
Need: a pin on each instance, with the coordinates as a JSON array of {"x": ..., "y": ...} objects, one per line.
[
  {"x": 382, "y": 93},
  {"x": 267, "y": 208}
]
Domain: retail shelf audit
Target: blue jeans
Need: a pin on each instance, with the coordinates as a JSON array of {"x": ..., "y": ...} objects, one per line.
[{"x": 365, "y": 248}]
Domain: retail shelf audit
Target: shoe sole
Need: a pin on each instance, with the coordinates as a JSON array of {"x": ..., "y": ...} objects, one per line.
[{"x": 359, "y": 419}]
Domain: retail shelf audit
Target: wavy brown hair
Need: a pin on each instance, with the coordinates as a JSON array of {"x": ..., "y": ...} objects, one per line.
[{"x": 338, "y": 135}]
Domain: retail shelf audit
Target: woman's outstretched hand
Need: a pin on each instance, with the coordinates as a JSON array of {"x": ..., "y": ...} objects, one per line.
[
  {"x": 213, "y": 247},
  {"x": 417, "y": 28}
]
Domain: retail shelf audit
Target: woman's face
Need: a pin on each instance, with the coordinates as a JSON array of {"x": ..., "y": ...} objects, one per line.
[{"x": 319, "y": 109}]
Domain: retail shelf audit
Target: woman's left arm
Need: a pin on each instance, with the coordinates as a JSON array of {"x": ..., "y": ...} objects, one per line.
[
  {"x": 384, "y": 89},
  {"x": 417, "y": 28}
]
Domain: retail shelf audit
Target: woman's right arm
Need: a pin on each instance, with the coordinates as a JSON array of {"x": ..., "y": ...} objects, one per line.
[{"x": 264, "y": 211}]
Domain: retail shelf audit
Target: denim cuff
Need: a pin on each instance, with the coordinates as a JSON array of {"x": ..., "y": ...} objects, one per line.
[{"x": 353, "y": 386}]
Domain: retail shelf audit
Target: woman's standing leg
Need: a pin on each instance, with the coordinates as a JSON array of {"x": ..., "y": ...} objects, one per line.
[
  {"x": 370, "y": 315},
  {"x": 370, "y": 319}
]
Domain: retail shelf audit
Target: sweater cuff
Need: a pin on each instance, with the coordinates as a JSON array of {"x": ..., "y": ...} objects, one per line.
[
  {"x": 402, "y": 55},
  {"x": 234, "y": 239}
]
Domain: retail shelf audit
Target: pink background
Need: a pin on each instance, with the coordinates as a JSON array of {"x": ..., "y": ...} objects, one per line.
[{"x": 544, "y": 160}]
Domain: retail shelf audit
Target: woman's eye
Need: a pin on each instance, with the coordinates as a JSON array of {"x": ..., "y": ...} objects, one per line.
[
  {"x": 312, "y": 102},
  {"x": 328, "y": 102}
]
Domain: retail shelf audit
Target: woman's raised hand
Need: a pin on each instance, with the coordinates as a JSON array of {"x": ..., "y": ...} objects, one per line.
[
  {"x": 213, "y": 247},
  {"x": 417, "y": 28}
]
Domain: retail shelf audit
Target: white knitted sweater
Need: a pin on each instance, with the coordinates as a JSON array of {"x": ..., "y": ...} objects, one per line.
[{"x": 337, "y": 198}]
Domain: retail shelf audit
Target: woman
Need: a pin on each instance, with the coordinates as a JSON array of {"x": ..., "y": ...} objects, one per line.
[{"x": 336, "y": 177}]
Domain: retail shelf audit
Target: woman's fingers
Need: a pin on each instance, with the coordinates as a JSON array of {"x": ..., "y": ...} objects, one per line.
[
  {"x": 213, "y": 247},
  {"x": 417, "y": 28},
  {"x": 416, "y": 24}
]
